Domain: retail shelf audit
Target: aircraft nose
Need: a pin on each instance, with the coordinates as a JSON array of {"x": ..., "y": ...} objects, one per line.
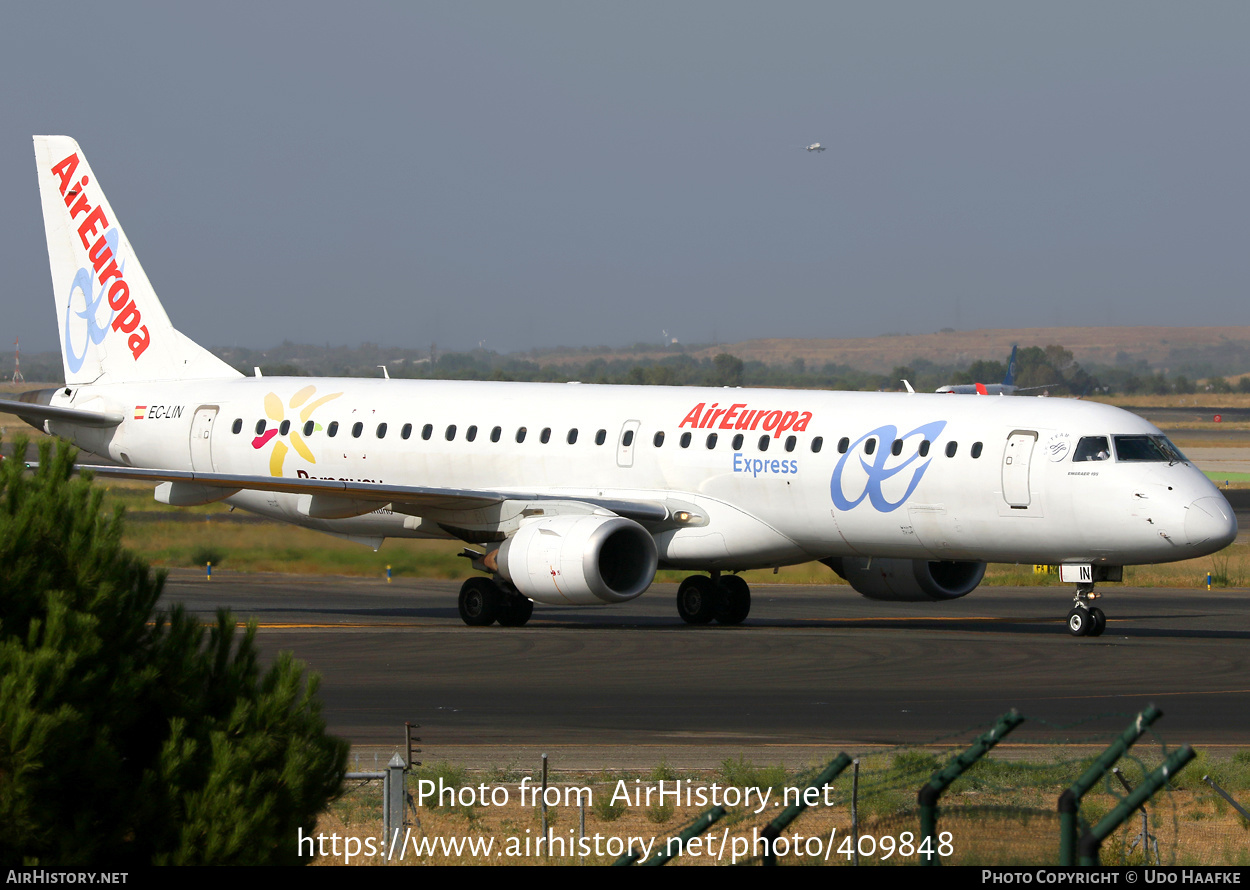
[{"x": 1210, "y": 521}]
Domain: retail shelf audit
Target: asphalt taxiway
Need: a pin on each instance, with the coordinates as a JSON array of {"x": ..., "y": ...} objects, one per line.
[{"x": 814, "y": 667}]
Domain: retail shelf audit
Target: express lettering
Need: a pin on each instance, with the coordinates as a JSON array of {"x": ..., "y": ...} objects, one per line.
[
  {"x": 878, "y": 471},
  {"x": 738, "y": 417},
  {"x": 100, "y": 242},
  {"x": 755, "y": 465}
]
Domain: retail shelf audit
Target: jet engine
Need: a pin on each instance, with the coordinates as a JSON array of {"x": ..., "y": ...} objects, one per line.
[
  {"x": 579, "y": 560},
  {"x": 908, "y": 580}
]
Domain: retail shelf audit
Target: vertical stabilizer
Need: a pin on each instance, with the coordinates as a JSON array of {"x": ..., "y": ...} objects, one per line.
[
  {"x": 113, "y": 328},
  {"x": 1010, "y": 379}
]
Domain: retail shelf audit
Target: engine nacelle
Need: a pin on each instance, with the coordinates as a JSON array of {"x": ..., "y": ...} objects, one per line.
[
  {"x": 908, "y": 580},
  {"x": 579, "y": 560}
]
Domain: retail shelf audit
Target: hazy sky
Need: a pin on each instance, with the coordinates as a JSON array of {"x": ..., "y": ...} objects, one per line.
[{"x": 532, "y": 174}]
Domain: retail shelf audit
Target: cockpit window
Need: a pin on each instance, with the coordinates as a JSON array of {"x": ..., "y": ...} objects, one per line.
[
  {"x": 1092, "y": 448},
  {"x": 1147, "y": 448}
]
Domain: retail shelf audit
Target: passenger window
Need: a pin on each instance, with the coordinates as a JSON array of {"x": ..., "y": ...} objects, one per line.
[
  {"x": 711, "y": 441},
  {"x": 260, "y": 427},
  {"x": 870, "y": 446},
  {"x": 951, "y": 448},
  {"x": 284, "y": 427},
  {"x": 471, "y": 433},
  {"x": 520, "y": 434},
  {"x": 791, "y": 441},
  {"x": 817, "y": 443},
  {"x": 897, "y": 448},
  {"x": 381, "y": 431},
  {"x": 1092, "y": 448},
  {"x": 628, "y": 438},
  {"x": 976, "y": 450},
  {"x": 406, "y": 432},
  {"x": 843, "y": 444},
  {"x": 357, "y": 429},
  {"x": 496, "y": 433},
  {"x": 924, "y": 448},
  {"x": 601, "y": 437},
  {"x": 308, "y": 428},
  {"x": 572, "y": 437},
  {"x": 545, "y": 437},
  {"x": 450, "y": 435},
  {"x": 736, "y": 443},
  {"x": 685, "y": 440},
  {"x": 658, "y": 439},
  {"x": 237, "y": 426},
  {"x": 764, "y": 442},
  {"x": 427, "y": 431},
  {"x": 333, "y": 429}
]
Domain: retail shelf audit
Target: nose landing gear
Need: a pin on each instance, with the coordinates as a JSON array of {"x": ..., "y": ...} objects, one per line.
[{"x": 1085, "y": 620}]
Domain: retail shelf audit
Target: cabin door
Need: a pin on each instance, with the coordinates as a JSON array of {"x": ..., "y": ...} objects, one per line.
[
  {"x": 202, "y": 439},
  {"x": 1016, "y": 461}
]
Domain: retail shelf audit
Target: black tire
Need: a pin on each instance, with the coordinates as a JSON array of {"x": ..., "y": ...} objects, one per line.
[
  {"x": 1099, "y": 623},
  {"x": 1079, "y": 622},
  {"x": 735, "y": 600},
  {"x": 516, "y": 611},
  {"x": 697, "y": 598},
  {"x": 480, "y": 602}
]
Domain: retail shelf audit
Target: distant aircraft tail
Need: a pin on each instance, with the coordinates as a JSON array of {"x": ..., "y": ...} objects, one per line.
[
  {"x": 113, "y": 327},
  {"x": 1010, "y": 379}
]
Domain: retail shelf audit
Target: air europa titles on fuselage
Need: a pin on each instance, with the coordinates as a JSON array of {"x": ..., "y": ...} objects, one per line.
[
  {"x": 739, "y": 417},
  {"x": 127, "y": 318}
]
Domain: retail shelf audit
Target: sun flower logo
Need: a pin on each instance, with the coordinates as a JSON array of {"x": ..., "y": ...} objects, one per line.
[{"x": 275, "y": 412}]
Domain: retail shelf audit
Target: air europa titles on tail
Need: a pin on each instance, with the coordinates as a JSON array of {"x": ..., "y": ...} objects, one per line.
[
  {"x": 576, "y": 495},
  {"x": 102, "y": 253}
]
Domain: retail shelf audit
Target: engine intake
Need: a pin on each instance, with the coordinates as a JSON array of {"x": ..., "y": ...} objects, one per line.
[
  {"x": 908, "y": 580},
  {"x": 579, "y": 560}
]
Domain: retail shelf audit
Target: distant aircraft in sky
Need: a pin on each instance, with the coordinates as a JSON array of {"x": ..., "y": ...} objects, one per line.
[
  {"x": 815, "y": 146},
  {"x": 577, "y": 494}
]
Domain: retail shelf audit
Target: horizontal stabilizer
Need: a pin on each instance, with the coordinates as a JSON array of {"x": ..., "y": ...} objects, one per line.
[{"x": 36, "y": 414}]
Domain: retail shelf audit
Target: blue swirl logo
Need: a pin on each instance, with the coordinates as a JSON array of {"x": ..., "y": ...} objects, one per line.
[
  {"x": 878, "y": 471},
  {"x": 90, "y": 313}
]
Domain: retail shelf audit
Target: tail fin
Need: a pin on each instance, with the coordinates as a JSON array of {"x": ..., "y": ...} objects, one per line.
[
  {"x": 113, "y": 327},
  {"x": 1010, "y": 379}
]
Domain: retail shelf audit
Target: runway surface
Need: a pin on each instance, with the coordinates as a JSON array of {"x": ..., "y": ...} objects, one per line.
[{"x": 814, "y": 666}]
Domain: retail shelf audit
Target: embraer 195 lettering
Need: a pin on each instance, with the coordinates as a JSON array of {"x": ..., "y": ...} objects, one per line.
[{"x": 576, "y": 494}]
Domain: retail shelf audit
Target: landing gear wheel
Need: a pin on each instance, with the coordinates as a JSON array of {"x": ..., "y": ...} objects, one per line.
[
  {"x": 697, "y": 598},
  {"x": 735, "y": 600},
  {"x": 1099, "y": 623},
  {"x": 516, "y": 611},
  {"x": 481, "y": 602},
  {"x": 1079, "y": 622}
]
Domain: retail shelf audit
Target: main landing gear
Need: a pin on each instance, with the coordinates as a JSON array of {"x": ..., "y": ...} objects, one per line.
[
  {"x": 725, "y": 599},
  {"x": 1085, "y": 620},
  {"x": 483, "y": 602}
]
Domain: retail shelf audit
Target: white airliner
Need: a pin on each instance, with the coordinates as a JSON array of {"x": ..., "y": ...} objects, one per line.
[
  {"x": 815, "y": 146},
  {"x": 576, "y": 494}
]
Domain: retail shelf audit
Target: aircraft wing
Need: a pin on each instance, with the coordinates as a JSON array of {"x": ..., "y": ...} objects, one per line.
[
  {"x": 426, "y": 498},
  {"x": 36, "y": 414}
]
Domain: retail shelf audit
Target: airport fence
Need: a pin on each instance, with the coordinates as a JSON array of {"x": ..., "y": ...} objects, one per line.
[{"x": 994, "y": 798}]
